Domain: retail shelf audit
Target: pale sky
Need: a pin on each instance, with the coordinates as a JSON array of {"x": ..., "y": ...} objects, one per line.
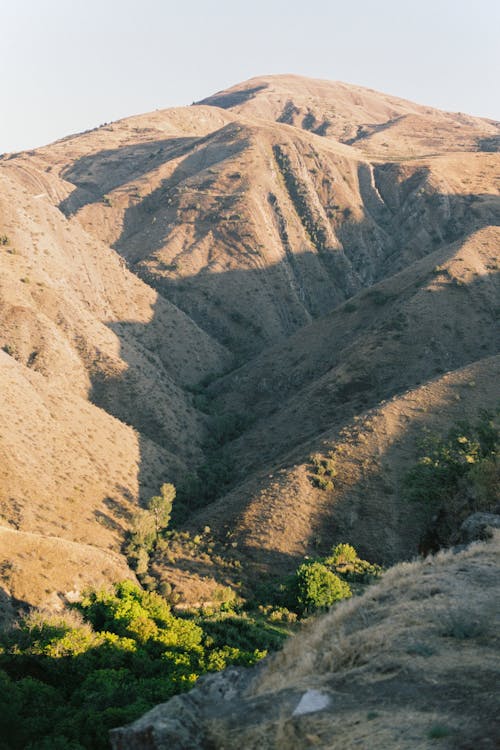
[{"x": 69, "y": 65}]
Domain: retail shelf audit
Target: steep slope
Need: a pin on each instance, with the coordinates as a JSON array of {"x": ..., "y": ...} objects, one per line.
[
  {"x": 327, "y": 389},
  {"x": 278, "y": 514},
  {"x": 256, "y": 229},
  {"x": 93, "y": 370}
]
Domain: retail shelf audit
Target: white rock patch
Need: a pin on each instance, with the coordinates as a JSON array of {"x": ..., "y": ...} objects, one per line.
[{"x": 311, "y": 701}]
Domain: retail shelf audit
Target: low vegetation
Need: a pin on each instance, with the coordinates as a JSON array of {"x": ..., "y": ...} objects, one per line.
[
  {"x": 218, "y": 472},
  {"x": 323, "y": 470},
  {"x": 455, "y": 476},
  {"x": 147, "y": 525},
  {"x": 315, "y": 587},
  {"x": 320, "y": 582},
  {"x": 317, "y": 584}
]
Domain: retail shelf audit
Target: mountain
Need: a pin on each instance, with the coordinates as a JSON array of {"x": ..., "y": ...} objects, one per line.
[
  {"x": 378, "y": 124},
  {"x": 311, "y": 265}
]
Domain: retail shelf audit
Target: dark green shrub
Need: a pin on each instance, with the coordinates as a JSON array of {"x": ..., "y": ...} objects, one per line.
[
  {"x": 315, "y": 587},
  {"x": 324, "y": 471},
  {"x": 445, "y": 462},
  {"x": 438, "y": 732}
]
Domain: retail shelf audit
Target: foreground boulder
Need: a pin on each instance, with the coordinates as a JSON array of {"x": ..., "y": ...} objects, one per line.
[{"x": 412, "y": 661}]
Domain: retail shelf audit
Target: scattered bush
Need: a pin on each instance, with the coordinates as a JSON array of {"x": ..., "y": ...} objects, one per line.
[
  {"x": 160, "y": 507},
  {"x": 344, "y": 561},
  {"x": 343, "y": 554},
  {"x": 438, "y": 731},
  {"x": 147, "y": 524},
  {"x": 11, "y": 350}
]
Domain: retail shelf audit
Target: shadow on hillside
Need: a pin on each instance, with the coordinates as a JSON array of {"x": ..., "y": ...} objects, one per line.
[
  {"x": 247, "y": 309},
  {"x": 226, "y": 100},
  {"x": 277, "y": 439},
  {"x": 97, "y": 174},
  {"x": 375, "y": 512},
  {"x": 366, "y": 131},
  {"x": 251, "y": 308},
  {"x": 10, "y": 609}
]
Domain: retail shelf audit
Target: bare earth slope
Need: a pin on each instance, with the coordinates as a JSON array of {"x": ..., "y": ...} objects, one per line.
[{"x": 325, "y": 255}]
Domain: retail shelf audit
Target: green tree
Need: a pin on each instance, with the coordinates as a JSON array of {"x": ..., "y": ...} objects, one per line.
[
  {"x": 143, "y": 530},
  {"x": 160, "y": 507},
  {"x": 445, "y": 463},
  {"x": 315, "y": 587}
]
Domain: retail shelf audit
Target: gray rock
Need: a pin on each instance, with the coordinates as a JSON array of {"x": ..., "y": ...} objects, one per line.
[
  {"x": 478, "y": 527},
  {"x": 178, "y": 723}
]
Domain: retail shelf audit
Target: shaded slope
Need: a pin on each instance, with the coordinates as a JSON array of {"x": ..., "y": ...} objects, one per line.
[
  {"x": 319, "y": 390},
  {"x": 400, "y": 333},
  {"x": 256, "y": 229},
  {"x": 278, "y": 514}
]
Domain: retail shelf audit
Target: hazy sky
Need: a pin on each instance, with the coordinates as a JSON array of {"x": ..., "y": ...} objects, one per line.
[{"x": 68, "y": 65}]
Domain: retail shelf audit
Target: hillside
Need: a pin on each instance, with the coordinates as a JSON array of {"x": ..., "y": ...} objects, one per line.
[{"x": 313, "y": 262}]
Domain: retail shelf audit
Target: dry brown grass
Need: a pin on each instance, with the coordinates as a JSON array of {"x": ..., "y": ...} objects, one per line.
[{"x": 417, "y": 651}]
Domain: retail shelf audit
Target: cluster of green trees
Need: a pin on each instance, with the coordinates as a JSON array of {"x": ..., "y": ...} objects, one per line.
[{"x": 65, "y": 681}]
